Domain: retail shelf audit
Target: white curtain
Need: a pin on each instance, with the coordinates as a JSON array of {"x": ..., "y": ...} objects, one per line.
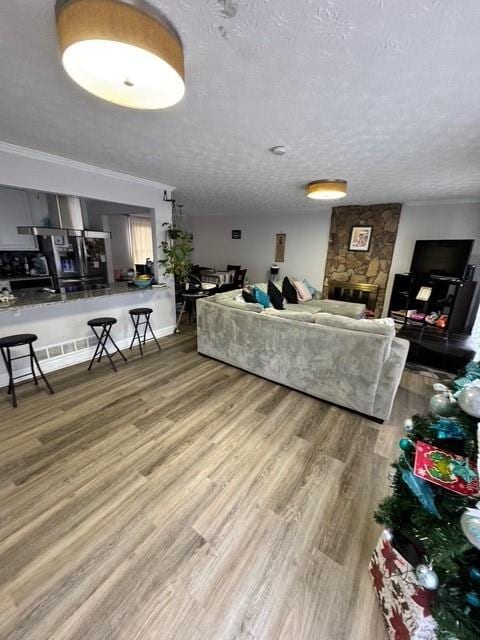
[{"x": 141, "y": 239}]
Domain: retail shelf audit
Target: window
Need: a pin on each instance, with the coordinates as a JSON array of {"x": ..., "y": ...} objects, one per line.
[{"x": 141, "y": 239}]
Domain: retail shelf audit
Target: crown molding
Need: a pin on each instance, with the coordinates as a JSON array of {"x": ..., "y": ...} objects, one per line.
[
  {"x": 33, "y": 154},
  {"x": 437, "y": 202}
]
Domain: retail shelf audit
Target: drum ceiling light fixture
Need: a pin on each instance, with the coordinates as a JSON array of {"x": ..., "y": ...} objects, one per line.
[
  {"x": 123, "y": 51},
  {"x": 327, "y": 189}
]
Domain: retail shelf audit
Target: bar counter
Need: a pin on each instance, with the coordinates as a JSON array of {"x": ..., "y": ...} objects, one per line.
[
  {"x": 38, "y": 298},
  {"x": 61, "y": 321}
]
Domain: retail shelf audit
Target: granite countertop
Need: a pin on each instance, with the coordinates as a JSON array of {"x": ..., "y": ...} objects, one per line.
[{"x": 38, "y": 298}]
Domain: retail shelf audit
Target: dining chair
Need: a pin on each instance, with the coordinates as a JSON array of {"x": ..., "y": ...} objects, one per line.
[{"x": 239, "y": 278}]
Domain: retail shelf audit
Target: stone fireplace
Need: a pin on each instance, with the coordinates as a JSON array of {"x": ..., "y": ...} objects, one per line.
[
  {"x": 354, "y": 292},
  {"x": 345, "y": 269}
]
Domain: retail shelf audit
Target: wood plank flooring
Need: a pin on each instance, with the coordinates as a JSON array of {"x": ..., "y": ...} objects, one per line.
[{"x": 183, "y": 499}]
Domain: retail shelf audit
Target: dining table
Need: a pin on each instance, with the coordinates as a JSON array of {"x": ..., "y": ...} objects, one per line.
[{"x": 218, "y": 276}]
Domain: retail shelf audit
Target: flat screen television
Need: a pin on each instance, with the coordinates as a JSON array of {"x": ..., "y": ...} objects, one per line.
[{"x": 441, "y": 257}]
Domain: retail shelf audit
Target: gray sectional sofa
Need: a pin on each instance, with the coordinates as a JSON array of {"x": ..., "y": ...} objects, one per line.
[{"x": 330, "y": 355}]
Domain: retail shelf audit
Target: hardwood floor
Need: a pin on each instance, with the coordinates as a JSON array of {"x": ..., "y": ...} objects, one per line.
[{"x": 183, "y": 499}]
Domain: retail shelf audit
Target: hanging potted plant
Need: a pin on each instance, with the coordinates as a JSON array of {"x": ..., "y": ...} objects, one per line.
[{"x": 177, "y": 251}]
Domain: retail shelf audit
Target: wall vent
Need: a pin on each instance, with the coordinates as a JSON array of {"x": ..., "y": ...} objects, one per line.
[{"x": 65, "y": 348}]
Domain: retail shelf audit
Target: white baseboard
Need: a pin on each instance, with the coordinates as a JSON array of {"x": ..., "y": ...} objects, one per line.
[{"x": 76, "y": 357}]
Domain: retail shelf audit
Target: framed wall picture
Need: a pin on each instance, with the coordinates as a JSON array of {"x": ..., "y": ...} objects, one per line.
[
  {"x": 236, "y": 234},
  {"x": 280, "y": 247},
  {"x": 360, "y": 238}
]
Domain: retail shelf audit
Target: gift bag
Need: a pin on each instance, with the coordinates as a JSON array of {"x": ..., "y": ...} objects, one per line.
[{"x": 405, "y": 605}]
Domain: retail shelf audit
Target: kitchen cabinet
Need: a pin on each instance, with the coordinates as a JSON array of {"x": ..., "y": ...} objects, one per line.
[{"x": 15, "y": 212}]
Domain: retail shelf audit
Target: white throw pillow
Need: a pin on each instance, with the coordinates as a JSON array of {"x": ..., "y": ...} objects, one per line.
[{"x": 303, "y": 293}]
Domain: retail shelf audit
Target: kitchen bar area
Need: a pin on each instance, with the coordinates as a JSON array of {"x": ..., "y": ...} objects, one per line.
[{"x": 78, "y": 274}]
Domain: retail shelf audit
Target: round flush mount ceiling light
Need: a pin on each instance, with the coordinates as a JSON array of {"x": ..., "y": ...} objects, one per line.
[
  {"x": 122, "y": 51},
  {"x": 327, "y": 189}
]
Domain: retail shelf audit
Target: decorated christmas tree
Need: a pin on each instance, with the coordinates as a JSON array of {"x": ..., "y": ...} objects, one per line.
[{"x": 426, "y": 568}]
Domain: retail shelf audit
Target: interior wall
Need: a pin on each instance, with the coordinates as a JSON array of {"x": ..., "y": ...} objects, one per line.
[
  {"x": 305, "y": 247},
  {"x": 435, "y": 222}
]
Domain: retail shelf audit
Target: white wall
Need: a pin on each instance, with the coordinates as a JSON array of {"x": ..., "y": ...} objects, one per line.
[
  {"x": 306, "y": 243},
  {"x": 433, "y": 222}
]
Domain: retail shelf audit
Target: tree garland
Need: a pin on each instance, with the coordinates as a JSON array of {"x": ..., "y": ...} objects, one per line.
[{"x": 440, "y": 541}]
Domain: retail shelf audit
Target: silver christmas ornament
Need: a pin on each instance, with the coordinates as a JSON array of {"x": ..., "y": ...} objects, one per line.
[
  {"x": 426, "y": 577},
  {"x": 442, "y": 405},
  {"x": 387, "y": 535},
  {"x": 469, "y": 400},
  {"x": 408, "y": 424}
]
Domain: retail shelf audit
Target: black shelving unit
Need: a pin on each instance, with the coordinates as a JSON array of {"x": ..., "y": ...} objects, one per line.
[
  {"x": 449, "y": 296},
  {"x": 448, "y": 348}
]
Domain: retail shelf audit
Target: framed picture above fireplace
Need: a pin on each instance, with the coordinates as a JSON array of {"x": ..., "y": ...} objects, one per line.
[{"x": 360, "y": 238}]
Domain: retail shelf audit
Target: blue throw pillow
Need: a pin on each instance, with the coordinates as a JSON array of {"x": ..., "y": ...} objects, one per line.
[
  {"x": 312, "y": 290},
  {"x": 261, "y": 297}
]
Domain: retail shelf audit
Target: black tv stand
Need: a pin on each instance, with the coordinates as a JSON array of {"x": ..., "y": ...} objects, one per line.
[{"x": 449, "y": 347}]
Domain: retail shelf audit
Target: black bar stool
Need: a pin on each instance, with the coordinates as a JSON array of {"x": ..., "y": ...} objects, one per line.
[
  {"x": 9, "y": 342},
  {"x": 105, "y": 324},
  {"x": 137, "y": 315}
]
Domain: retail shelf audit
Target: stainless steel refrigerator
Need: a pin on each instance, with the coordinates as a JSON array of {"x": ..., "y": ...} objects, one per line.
[{"x": 76, "y": 263}]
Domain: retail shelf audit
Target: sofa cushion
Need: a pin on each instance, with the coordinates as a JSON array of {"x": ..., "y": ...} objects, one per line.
[
  {"x": 289, "y": 291},
  {"x": 235, "y": 300},
  {"x": 248, "y": 296},
  {"x": 382, "y": 326},
  {"x": 264, "y": 285},
  {"x": 261, "y": 297},
  {"x": 276, "y": 296},
  {"x": 338, "y": 307},
  {"x": 303, "y": 293},
  {"x": 311, "y": 289},
  {"x": 299, "y": 316}
]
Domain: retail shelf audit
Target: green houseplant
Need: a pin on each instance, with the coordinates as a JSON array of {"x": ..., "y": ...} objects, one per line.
[{"x": 177, "y": 253}]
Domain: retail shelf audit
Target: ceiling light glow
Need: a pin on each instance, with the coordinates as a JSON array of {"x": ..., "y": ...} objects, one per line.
[
  {"x": 327, "y": 189},
  {"x": 120, "y": 54}
]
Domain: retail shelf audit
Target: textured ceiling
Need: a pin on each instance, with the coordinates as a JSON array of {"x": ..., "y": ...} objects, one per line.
[{"x": 383, "y": 93}]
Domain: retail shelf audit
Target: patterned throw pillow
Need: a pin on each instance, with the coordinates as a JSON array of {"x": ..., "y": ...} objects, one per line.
[
  {"x": 276, "y": 296},
  {"x": 261, "y": 297},
  {"x": 312, "y": 290},
  {"x": 303, "y": 293},
  {"x": 289, "y": 291}
]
